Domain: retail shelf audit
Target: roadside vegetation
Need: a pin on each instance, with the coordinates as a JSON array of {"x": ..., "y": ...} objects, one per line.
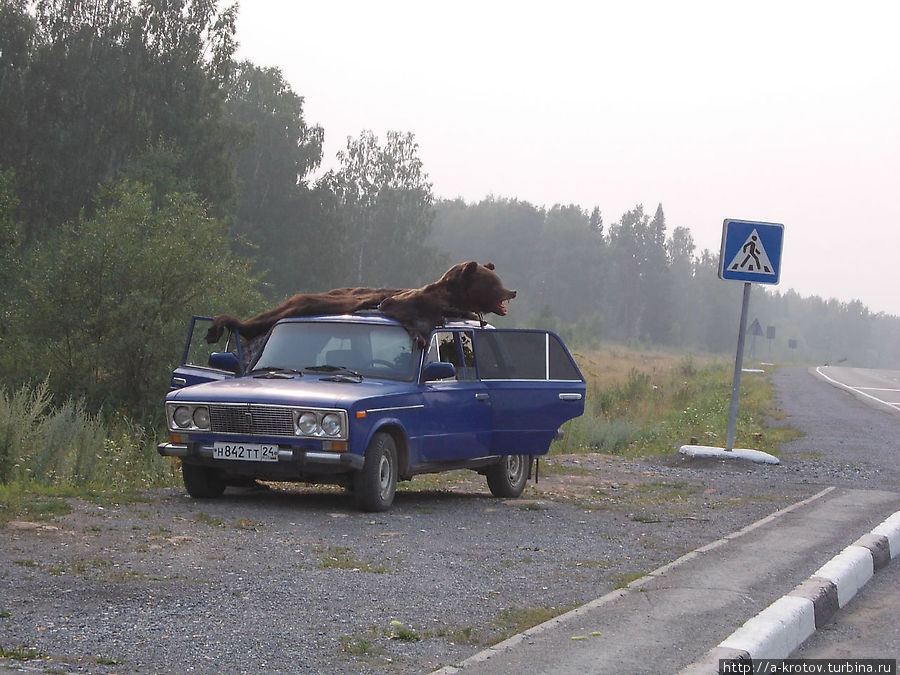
[
  {"x": 646, "y": 404},
  {"x": 49, "y": 453},
  {"x": 640, "y": 403}
]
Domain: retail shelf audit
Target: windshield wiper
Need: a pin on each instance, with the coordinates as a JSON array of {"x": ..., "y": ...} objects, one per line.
[
  {"x": 273, "y": 372},
  {"x": 340, "y": 372}
]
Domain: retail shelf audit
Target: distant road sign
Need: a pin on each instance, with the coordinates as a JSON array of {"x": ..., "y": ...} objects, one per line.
[{"x": 751, "y": 251}]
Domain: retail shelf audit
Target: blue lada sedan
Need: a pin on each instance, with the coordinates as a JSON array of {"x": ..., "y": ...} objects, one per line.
[{"x": 352, "y": 400}]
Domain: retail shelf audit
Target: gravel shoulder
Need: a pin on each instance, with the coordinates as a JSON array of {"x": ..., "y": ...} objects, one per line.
[{"x": 295, "y": 580}]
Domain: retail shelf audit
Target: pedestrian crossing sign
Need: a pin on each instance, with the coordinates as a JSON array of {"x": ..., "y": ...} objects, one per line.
[{"x": 751, "y": 251}]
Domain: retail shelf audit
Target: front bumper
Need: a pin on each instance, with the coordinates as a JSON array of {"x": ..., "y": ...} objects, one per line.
[{"x": 297, "y": 457}]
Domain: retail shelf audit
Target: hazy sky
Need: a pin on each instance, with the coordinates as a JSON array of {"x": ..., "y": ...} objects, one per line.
[{"x": 784, "y": 111}]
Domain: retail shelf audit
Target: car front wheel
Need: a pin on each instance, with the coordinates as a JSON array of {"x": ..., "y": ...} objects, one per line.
[
  {"x": 507, "y": 477},
  {"x": 202, "y": 482},
  {"x": 374, "y": 485}
]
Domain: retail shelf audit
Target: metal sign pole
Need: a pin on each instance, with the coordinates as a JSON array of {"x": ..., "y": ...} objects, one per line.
[{"x": 738, "y": 364}]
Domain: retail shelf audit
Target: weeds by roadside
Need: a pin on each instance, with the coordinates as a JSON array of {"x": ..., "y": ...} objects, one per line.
[
  {"x": 50, "y": 453},
  {"x": 637, "y": 405},
  {"x": 341, "y": 558},
  {"x": 653, "y": 414},
  {"x": 20, "y": 653}
]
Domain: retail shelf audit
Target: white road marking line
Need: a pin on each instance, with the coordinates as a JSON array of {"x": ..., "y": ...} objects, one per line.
[{"x": 892, "y": 406}]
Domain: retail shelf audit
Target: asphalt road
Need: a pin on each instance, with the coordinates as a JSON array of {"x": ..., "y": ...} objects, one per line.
[
  {"x": 655, "y": 624},
  {"x": 879, "y": 388},
  {"x": 867, "y": 627}
]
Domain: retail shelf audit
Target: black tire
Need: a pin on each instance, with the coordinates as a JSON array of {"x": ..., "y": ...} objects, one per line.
[
  {"x": 374, "y": 485},
  {"x": 507, "y": 477},
  {"x": 202, "y": 482}
]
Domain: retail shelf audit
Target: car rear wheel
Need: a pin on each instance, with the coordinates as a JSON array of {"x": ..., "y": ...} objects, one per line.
[
  {"x": 374, "y": 485},
  {"x": 202, "y": 482},
  {"x": 507, "y": 477}
]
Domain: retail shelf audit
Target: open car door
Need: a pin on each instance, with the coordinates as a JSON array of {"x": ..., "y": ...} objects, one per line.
[
  {"x": 204, "y": 362},
  {"x": 534, "y": 387}
]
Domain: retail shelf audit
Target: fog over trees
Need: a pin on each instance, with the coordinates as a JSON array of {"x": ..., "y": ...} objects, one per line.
[{"x": 146, "y": 176}]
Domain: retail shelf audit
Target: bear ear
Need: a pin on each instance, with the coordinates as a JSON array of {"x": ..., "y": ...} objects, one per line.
[
  {"x": 489, "y": 265},
  {"x": 470, "y": 268}
]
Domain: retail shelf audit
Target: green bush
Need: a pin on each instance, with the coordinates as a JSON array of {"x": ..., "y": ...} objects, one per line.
[
  {"x": 644, "y": 417},
  {"x": 67, "y": 445},
  {"x": 107, "y": 299}
]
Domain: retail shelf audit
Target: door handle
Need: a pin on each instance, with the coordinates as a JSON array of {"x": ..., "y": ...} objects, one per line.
[
  {"x": 569, "y": 397},
  {"x": 482, "y": 397},
  {"x": 179, "y": 381}
]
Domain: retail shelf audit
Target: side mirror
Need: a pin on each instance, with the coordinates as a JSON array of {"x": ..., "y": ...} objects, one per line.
[
  {"x": 438, "y": 370},
  {"x": 225, "y": 361}
]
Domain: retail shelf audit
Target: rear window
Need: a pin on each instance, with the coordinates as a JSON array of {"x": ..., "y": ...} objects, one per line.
[{"x": 523, "y": 355}]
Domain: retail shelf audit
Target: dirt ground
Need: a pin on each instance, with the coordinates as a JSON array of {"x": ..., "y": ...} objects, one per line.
[{"x": 293, "y": 579}]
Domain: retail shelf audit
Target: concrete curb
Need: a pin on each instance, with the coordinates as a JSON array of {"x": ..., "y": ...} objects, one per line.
[{"x": 784, "y": 625}]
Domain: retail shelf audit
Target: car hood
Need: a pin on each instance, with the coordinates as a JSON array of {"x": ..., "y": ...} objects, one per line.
[{"x": 300, "y": 391}]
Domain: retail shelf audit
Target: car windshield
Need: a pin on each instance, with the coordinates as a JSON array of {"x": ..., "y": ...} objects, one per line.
[{"x": 370, "y": 350}]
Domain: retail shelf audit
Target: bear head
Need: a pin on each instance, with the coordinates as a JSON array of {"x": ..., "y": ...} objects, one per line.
[{"x": 477, "y": 288}]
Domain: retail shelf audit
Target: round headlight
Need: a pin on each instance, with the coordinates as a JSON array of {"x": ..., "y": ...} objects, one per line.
[
  {"x": 307, "y": 423},
  {"x": 201, "y": 418},
  {"x": 182, "y": 416},
  {"x": 331, "y": 424}
]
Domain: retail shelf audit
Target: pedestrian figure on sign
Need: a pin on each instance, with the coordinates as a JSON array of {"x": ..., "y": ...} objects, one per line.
[{"x": 750, "y": 249}]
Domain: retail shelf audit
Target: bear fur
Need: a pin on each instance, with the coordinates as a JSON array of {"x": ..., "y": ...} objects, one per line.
[
  {"x": 466, "y": 289},
  {"x": 337, "y": 301}
]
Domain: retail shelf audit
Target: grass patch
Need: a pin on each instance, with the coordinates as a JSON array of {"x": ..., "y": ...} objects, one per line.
[
  {"x": 206, "y": 519},
  {"x": 517, "y": 619},
  {"x": 20, "y": 501},
  {"x": 20, "y": 653},
  {"x": 593, "y": 564},
  {"x": 105, "y": 661},
  {"x": 357, "y": 646},
  {"x": 658, "y": 406},
  {"x": 622, "y": 580},
  {"x": 460, "y": 635},
  {"x": 341, "y": 558},
  {"x": 445, "y": 480},
  {"x": 403, "y": 633}
]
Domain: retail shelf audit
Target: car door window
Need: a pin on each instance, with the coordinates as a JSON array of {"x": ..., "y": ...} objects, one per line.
[
  {"x": 456, "y": 347},
  {"x": 524, "y": 355},
  {"x": 198, "y": 351}
]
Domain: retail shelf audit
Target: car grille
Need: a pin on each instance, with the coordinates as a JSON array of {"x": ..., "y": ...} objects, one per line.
[{"x": 259, "y": 420}]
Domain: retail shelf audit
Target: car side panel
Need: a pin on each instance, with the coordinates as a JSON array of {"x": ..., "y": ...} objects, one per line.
[
  {"x": 527, "y": 414},
  {"x": 534, "y": 387},
  {"x": 457, "y": 421}
]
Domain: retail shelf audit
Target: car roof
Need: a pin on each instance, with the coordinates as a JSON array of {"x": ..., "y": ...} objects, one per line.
[{"x": 376, "y": 317}]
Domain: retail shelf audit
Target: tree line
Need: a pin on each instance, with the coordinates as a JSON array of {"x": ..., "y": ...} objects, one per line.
[
  {"x": 145, "y": 176},
  {"x": 635, "y": 281}
]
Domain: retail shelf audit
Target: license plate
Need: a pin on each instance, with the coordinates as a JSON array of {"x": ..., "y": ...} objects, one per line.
[{"x": 248, "y": 452}]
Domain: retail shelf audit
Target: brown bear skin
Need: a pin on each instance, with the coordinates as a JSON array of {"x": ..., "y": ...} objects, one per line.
[
  {"x": 337, "y": 301},
  {"x": 466, "y": 289}
]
